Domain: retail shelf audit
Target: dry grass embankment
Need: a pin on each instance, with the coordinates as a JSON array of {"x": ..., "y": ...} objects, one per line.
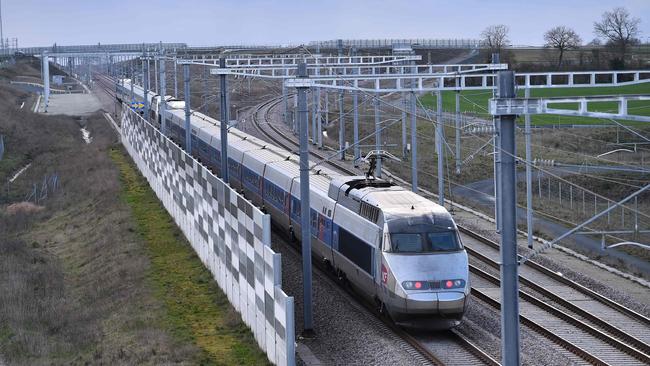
[{"x": 97, "y": 273}]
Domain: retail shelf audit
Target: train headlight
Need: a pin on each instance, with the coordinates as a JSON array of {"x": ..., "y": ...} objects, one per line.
[
  {"x": 451, "y": 284},
  {"x": 416, "y": 285}
]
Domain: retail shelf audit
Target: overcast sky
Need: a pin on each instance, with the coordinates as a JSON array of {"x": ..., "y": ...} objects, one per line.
[{"x": 215, "y": 22}]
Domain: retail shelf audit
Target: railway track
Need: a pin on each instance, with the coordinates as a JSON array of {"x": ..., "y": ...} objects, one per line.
[
  {"x": 106, "y": 83},
  {"x": 595, "y": 328},
  {"x": 454, "y": 348}
]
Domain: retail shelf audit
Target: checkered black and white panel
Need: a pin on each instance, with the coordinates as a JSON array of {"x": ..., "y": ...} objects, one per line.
[{"x": 230, "y": 235}]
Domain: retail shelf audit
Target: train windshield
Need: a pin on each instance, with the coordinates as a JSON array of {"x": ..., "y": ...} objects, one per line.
[
  {"x": 430, "y": 242},
  {"x": 420, "y": 235}
]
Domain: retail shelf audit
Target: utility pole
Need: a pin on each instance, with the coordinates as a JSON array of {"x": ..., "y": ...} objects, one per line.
[
  {"x": 497, "y": 160},
  {"x": 459, "y": 160},
  {"x": 175, "y": 78},
  {"x": 355, "y": 115},
  {"x": 377, "y": 135},
  {"x": 188, "y": 113},
  {"x": 529, "y": 176},
  {"x": 2, "y": 38},
  {"x": 355, "y": 122},
  {"x": 148, "y": 74},
  {"x": 305, "y": 206},
  {"x": 341, "y": 113},
  {"x": 509, "y": 262},
  {"x": 132, "y": 99},
  {"x": 155, "y": 73},
  {"x": 440, "y": 151},
  {"x": 285, "y": 103},
  {"x": 146, "y": 79},
  {"x": 163, "y": 92},
  {"x": 414, "y": 143},
  {"x": 225, "y": 117}
]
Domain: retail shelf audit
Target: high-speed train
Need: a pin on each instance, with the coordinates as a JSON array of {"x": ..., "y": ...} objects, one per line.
[{"x": 394, "y": 246}]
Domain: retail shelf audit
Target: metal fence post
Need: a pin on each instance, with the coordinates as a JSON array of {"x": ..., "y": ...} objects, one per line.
[{"x": 509, "y": 279}]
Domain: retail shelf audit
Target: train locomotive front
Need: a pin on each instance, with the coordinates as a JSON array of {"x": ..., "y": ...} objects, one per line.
[
  {"x": 424, "y": 270},
  {"x": 421, "y": 271}
]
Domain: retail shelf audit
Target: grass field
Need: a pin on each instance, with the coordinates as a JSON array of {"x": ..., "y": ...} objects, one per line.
[
  {"x": 197, "y": 310},
  {"x": 476, "y": 102}
]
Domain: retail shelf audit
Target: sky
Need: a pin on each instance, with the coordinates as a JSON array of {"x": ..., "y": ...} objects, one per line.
[{"x": 229, "y": 22}]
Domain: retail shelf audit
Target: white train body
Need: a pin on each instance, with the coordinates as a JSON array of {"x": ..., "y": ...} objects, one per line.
[{"x": 392, "y": 245}]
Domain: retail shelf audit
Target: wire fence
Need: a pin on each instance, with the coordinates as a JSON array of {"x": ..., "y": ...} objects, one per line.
[
  {"x": 556, "y": 198},
  {"x": 41, "y": 191}
]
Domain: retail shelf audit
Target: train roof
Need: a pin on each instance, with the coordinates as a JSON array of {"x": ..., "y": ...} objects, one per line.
[{"x": 394, "y": 201}]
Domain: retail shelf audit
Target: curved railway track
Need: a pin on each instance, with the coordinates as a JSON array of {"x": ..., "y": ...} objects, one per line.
[
  {"x": 595, "y": 328},
  {"x": 456, "y": 348}
]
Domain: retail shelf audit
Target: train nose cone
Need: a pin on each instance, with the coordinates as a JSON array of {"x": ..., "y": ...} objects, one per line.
[
  {"x": 422, "y": 303},
  {"x": 451, "y": 302}
]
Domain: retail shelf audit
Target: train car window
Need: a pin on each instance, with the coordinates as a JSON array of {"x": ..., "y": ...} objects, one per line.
[
  {"x": 407, "y": 243},
  {"x": 424, "y": 242},
  {"x": 314, "y": 220},
  {"x": 251, "y": 179},
  {"x": 274, "y": 194},
  {"x": 356, "y": 250},
  {"x": 443, "y": 241}
]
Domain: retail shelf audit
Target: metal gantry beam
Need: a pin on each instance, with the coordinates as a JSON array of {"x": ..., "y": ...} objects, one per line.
[
  {"x": 543, "y": 106},
  {"x": 391, "y": 79},
  {"x": 341, "y": 76}
]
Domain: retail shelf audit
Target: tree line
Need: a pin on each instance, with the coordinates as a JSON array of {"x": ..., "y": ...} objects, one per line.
[{"x": 617, "y": 31}]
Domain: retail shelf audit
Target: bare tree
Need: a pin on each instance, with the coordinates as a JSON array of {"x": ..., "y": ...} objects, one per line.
[
  {"x": 562, "y": 38},
  {"x": 495, "y": 37},
  {"x": 619, "y": 28}
]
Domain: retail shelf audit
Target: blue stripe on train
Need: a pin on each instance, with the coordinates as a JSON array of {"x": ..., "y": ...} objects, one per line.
[{"x": 322, "y": 227}]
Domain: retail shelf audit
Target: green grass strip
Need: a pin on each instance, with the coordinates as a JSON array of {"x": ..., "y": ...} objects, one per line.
[{"x": 196, "y": 309}]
